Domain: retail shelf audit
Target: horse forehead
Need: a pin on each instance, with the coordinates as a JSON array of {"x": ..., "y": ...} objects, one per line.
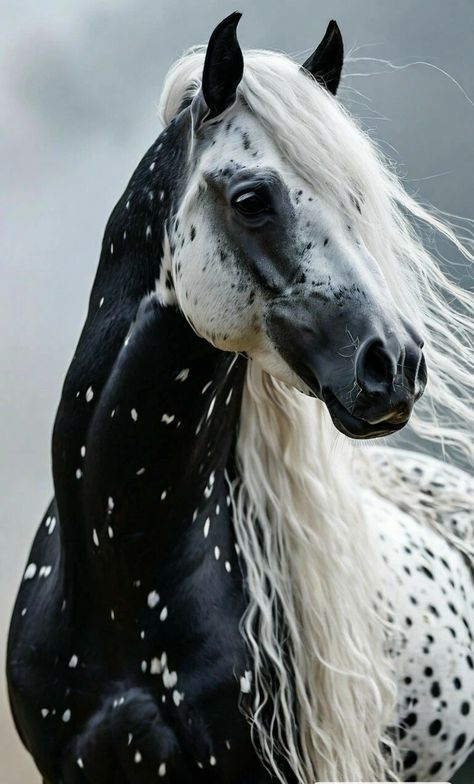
[{"x": 240, "y": 138}]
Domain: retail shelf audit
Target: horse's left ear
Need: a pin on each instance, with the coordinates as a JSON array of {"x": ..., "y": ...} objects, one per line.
[
  {"x": 325, "y": 64},
  {"x": 223, "y": 67}
]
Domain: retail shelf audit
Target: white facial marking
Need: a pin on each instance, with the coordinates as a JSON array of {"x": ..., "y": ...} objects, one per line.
[
  {"x": 134, "y": 414},
  {"x": 66, "y": 715},
  {"x": 217, "y": 553},
  {"x": 73, "y": 661},
  {"x": 207, "y": 525},
  {"x": 95, "y": 537},
  {"x": 228, "y": 566},
  {"x": 164, "y": 614},
  {"x": 162, "y": 769},
  {"x": 110, "y": 532},
  {"x": 83, "y": 451},
  {"x": 167, "y": 418},
  {"x": 212, "y": 760},
  {"x": 89, "y": 394},
  {"x": 44, "y": 712},
  {"x": 45, "y": 571},
  {"x": 137, "y": 758},
  {"x": 140, "y": 471},
  {"x": 79, "y": 762},
  {"x": 78, "y": 473},
  {"x": 163, "y": 495}
]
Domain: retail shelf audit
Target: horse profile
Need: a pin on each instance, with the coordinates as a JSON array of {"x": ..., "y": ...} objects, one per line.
[{"x": 224, "y": 588}]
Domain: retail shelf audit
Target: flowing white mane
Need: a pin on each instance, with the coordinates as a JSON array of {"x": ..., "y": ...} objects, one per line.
[{"x": 311, "y": 572}]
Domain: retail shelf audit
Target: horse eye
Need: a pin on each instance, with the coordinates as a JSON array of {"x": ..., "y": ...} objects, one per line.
[{"x": 250, "y": 203}]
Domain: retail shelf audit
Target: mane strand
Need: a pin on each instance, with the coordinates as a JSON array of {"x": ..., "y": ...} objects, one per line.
[{"x": 313, "y": 576}]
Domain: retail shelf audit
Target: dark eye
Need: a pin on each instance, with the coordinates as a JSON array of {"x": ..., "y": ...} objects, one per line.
[{"x": 250, "y": 203}]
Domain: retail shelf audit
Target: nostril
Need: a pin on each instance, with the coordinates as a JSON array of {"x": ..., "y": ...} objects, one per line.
[{"x": 375, "y": 367}]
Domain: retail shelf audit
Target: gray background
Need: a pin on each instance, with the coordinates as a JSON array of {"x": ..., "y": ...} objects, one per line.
[{"x": 79, "y": 86}]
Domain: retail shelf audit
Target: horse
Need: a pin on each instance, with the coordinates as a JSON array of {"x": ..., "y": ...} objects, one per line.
[{"x": 230, "y": 585}]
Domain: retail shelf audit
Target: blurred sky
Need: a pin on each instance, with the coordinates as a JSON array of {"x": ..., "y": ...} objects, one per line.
[{"x": 79, "y": 85}]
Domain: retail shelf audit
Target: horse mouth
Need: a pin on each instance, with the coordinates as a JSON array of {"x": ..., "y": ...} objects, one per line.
[{"x": 356, "y": 427}]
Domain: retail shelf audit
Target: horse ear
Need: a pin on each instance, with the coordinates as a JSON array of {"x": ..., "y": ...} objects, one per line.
[
  {"x": 223, "y": 66},
  {"x": 325, "y": 64}
]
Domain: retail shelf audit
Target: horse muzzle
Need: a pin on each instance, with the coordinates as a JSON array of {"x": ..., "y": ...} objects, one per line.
[{"x": 371, "y": 386}]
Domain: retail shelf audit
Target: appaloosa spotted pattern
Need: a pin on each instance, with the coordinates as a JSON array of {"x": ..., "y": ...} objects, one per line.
[
  {"x": 126, "y": 663},
  {"x": 430, "y": 589}
]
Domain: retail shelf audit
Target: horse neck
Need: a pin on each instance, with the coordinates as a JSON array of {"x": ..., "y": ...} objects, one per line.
[
  {"x": 140, "y": 466},
  {"x": 147, "y": 419}
]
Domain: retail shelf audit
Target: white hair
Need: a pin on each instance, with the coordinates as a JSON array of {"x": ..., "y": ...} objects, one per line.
[{"x": 323, "y": 687}]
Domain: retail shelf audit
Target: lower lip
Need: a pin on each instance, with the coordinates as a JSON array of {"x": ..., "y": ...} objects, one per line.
[{"x": 353, "y": 426}]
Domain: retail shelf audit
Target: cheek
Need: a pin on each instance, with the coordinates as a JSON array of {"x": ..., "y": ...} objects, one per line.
[{"x": 214, "y": 294}]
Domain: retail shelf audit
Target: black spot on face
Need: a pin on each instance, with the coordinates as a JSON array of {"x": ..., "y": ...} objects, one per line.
[
  {"x": 192, "y": 233},
  {"x": 426, "y": 572}
]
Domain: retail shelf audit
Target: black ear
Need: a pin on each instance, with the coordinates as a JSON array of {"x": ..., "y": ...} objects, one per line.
[
  {"x": 325, "y": 64},
  {"x": 223, "y": 66}
]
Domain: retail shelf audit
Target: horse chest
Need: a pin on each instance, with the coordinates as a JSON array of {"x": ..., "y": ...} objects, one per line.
[{"x": 149, "y": 684}]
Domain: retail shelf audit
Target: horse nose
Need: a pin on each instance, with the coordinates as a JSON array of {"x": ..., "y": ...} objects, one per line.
[
  {"x": 376, "y": 367},
  {"x": 391, "y": 378}
]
